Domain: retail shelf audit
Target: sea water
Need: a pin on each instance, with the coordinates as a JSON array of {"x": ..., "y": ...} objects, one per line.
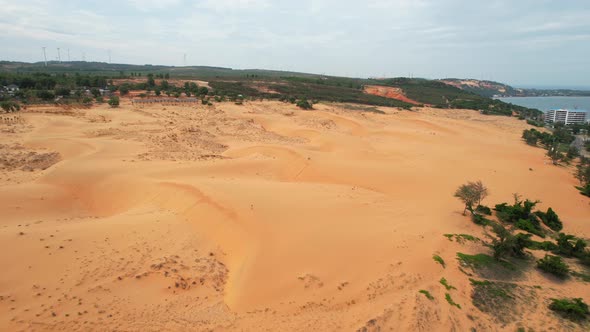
[{"x": 548, "y": 103}]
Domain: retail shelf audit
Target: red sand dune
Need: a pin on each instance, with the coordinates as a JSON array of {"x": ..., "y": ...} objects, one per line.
[{"x": 389, "y": 92}]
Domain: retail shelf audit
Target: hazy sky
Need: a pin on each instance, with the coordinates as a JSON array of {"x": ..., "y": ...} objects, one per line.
[{"x": 521, "y": 42}]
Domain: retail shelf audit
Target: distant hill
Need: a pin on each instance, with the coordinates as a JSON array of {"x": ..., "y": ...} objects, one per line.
[
  {"x": 492, "y": 89},
  {"x": 257, "y": 83}
]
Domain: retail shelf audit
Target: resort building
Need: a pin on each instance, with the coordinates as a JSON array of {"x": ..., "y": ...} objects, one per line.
[{"x": 565, "y": 116}]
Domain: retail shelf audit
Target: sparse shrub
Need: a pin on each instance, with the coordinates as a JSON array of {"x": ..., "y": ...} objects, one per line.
[
  {"x": 476, "y": 261},
  {"x": 444, "y": 282},
  {"x": 573, "y": 309},
  {"x": 554, "y": 265},
  {"x": 461, "y": 238},
  {"x": 114, "y": 101},
  {"x": 427, "y": 294},
  {"x": 87, "y": 101},
  {"x": 439, "y": 260},
  {"x": 450, "y": 300}
]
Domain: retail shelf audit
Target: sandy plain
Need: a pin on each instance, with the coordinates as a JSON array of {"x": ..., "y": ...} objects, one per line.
[{"x": 260, "y": 217}]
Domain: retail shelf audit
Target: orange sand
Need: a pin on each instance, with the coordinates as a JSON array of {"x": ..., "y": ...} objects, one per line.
[{"x": 260, "y": 217}]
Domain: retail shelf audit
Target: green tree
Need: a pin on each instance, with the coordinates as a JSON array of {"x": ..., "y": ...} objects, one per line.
[
  {"x": 471, "y": 194},
  {"x": 203, "y": 91},
  {"x": 45, "y": 95},
  {"x": 95, "y": 92},
  {"x": 64, "y": 92},
  {"x": 554, "y": 154},
  {"x": 150, "y": 81},
  {"x": 124, "y": 89},
  {"x": 572, "y": 152}
]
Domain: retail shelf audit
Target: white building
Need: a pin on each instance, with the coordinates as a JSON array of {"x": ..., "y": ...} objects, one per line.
[{"x": 565, "y": 116}]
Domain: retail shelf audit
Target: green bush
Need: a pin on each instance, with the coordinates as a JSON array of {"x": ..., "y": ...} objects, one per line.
[
  {"x": 530, "y": 226},
  {"x": 450, "y": 300},
  {"x": 114, "y": 101},
  {"x": 444, "y": 282},
  {"x": 479, "y": 219},
  {"x": 513, "y": 213},
  {"x": 554, "y": 265},
  {"x": 427, "y": 294},
  {"x": 483, "y": 210},
  {"x": 570, "y": 246},
  {"x": 124, "y": 89},
  {"x": 574, "y": 309},
  {"x": 9, "y": 106},
  {"x": 585, "y": 190},
  {"x": 545, "y": 245},
  {"x": 439, "y": 260},
  {"x": 550, "y": 219},
  {"x": 304, "y": 104},
  {"x": 507, "y": 244}
]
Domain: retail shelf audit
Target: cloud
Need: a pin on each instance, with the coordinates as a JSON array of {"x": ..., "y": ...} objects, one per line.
[
  {"x": 427, "y": 37},
  {"x": 150, "y": 5},
  {"x": 232, "y": 5}
]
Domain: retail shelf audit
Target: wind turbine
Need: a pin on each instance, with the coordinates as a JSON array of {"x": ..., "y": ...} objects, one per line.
[
  {"x": 44, "y": 55},
  {"x": 58, "y": 55}
]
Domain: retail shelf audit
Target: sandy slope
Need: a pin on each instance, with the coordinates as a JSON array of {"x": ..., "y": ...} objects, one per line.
[{"x": 259, "y": 217}]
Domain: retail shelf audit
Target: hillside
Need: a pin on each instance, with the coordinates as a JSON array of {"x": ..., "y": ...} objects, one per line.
[
  {"x": 491, "y": 89},
  {"x": 257, "y": 84}
]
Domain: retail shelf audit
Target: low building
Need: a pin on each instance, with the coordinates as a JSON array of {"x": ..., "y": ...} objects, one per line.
[
  {"x": 567, "y": 117},
  {"x": 11, "y": 89}
]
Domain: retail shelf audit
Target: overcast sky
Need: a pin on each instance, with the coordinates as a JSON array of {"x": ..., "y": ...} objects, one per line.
[{"x": 520, "y": 42}]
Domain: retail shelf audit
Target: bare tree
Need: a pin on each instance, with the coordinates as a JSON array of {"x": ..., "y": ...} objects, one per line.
[{"x": 471, "y": 193}]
